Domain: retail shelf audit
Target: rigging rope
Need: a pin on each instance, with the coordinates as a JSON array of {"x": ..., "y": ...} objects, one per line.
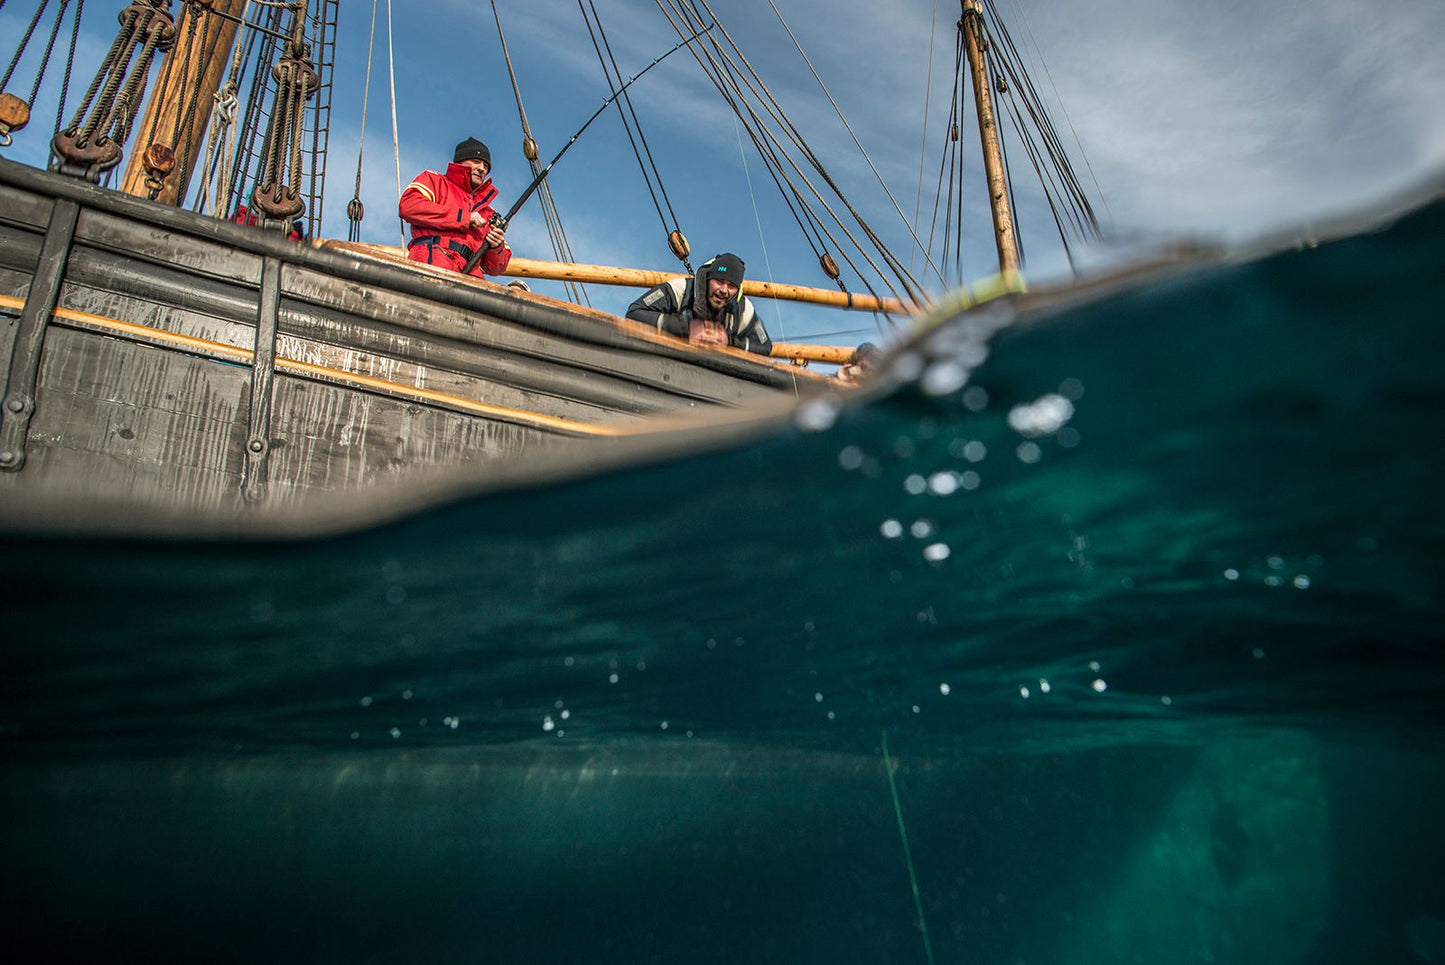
[
  {"x": 856, "y": 142},
  {"x": 69, "y": 63},
  {"x": 923, "y": 138},
  {"x": 626, "y": 99},
  {"x": 725, "y": 78},
  {"x": 762, "y": 240},
  {"x": 355, "y": 210},
  {"x": 550, "y": 216},
  {"x": 221, "y": 146},
  {"x": 395, "y": 140},
  {"x": 770, "y": 104}
]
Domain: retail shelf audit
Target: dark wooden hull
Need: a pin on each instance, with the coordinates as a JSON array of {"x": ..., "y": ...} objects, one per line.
[{"x": 167, "y": 363}]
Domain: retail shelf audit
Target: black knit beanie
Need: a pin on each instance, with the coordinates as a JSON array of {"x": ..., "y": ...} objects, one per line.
[
  {"x": 728, "y": 267},
  {"x": 472, "y": 148}
]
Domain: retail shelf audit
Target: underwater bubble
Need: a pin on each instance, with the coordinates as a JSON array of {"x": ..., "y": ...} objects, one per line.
[
  {"x": 1099, "y": 686},
  {"x": 395, "y": 733},
  {"x": 366, "y": 701},
  {"x": 548, "y": 724},
  {"x": 850, "y": 457},
  {"x": 975, "y": 451},
  {"x": 915, "y": 485},
  {"x": 664, "y": 725},
  {"x": 406, "y": 695},
  {"x": 1257, "y": 653},
  {"x": 1272, "y": 580},
  {"x": 568, "y": 661},
  {"x": 817, "y": 415},
  {"x": 1071, "y": 389},
  {"x": 1029, "y": 452},
  {"x": 566, "y": 715},
  {"x": 1094, "y": 665},
  {"x": 903, "y": 447},
  {"x": 1044, "y": 685},
  {"x": 557, "y": 704},
  {"x": 1042, "y": 417},
  {"x": 391, "y": 571},
  {"x": 1166, "y": 700},
  {"x": 891, "y": 529},
  {"x": 1069, "y": 437},
  {"x": 809, "y": 626},
  {"x": 943, "y": 483},
  {"x": 975, "y": 398},
  {"x": 613, "y": 678},
  {"x": 1024, "y": 693},
  {"x": 945, "y": 689},
  {"x": 916, "y": 709},
  {"x": 818, "y": 698},
  {"x": 396, "y": 595},
  {"x": 907, "y": 366},
  {"x": 1275, "y": 562},
  {"x": 1302, "y": 582},
  {"x": 831, "y": 715},
  {"x": 936, "y": 552},
  {"x": 1231, "y": 574},
  {"x": 970, "y": 480},
  {"x": 921, "y": 528},
  {"x": 356, "y": 735},
  {"x": 943, "y": 378}
]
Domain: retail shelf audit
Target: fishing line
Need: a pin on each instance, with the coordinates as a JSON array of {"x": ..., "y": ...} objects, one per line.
[{"x": 907, "y": 854}]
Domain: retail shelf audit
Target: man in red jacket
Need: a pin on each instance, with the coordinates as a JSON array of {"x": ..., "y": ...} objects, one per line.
[{"x": 450, "y": 214}]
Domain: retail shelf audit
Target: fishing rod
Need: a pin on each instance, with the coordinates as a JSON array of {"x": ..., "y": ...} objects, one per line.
[{"x": 503, "y": 221}]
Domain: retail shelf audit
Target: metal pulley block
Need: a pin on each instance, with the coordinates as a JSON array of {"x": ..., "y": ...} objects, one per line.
[
  {"x": 14, "y": 114},
  {"x": 830, "y": 266},
  {"x": 355, "y": 210},
  {"x": 158, "y": 21},
  {"x": 86, "y": 158},
  {"x": 529, "y": 149},
  {"x": 278, "y": 203}
]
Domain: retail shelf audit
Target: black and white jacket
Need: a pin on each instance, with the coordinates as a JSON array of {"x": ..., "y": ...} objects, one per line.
[{"x": 671, "y": 307}]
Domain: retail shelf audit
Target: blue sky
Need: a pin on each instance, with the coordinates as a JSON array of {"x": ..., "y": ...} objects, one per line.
[{"x": 1224, "y": 120}]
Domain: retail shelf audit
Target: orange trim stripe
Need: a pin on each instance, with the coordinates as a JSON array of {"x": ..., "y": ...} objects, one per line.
[{"x": 297, "y": 367}]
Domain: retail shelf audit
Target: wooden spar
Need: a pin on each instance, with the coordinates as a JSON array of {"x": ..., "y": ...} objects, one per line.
[
  {"x": 799, "y": 351},
  {"x": 186, "y": 66},
  {"x": 1003, "y": 222},
  {"x": 643, "y": 278}
]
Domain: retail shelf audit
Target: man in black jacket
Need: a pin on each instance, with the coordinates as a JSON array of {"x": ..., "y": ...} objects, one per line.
[{"x": 707, "y": 309}]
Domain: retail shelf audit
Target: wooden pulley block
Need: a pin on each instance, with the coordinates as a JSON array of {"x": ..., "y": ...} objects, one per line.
[
  {"x": 677, "y": 241},
  {"x": 14, "y": 114}
]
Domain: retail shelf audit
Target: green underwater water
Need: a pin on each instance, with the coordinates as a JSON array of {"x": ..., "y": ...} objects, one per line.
[{"x": 1158, "y": 676}]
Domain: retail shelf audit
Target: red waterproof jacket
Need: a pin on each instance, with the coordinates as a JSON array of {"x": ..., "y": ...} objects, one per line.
[{"x": 439, "y": 209}]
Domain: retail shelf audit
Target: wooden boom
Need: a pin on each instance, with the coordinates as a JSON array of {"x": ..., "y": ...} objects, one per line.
[{"x": 644, "y": 278}]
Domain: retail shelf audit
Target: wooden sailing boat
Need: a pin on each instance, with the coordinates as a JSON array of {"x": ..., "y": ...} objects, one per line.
[{"x": 163, "y": 366}]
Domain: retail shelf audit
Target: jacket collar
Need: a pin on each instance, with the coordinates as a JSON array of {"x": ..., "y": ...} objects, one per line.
[{"x": 461, "y": 176}]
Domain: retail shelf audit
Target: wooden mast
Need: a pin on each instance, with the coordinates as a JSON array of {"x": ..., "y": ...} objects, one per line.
[
  {"x": 1003, "y": 222},
  {"x": 186, "y": 67}
]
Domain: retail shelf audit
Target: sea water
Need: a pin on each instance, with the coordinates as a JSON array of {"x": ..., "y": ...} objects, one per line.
[{"x": 1113, "y": 638}]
